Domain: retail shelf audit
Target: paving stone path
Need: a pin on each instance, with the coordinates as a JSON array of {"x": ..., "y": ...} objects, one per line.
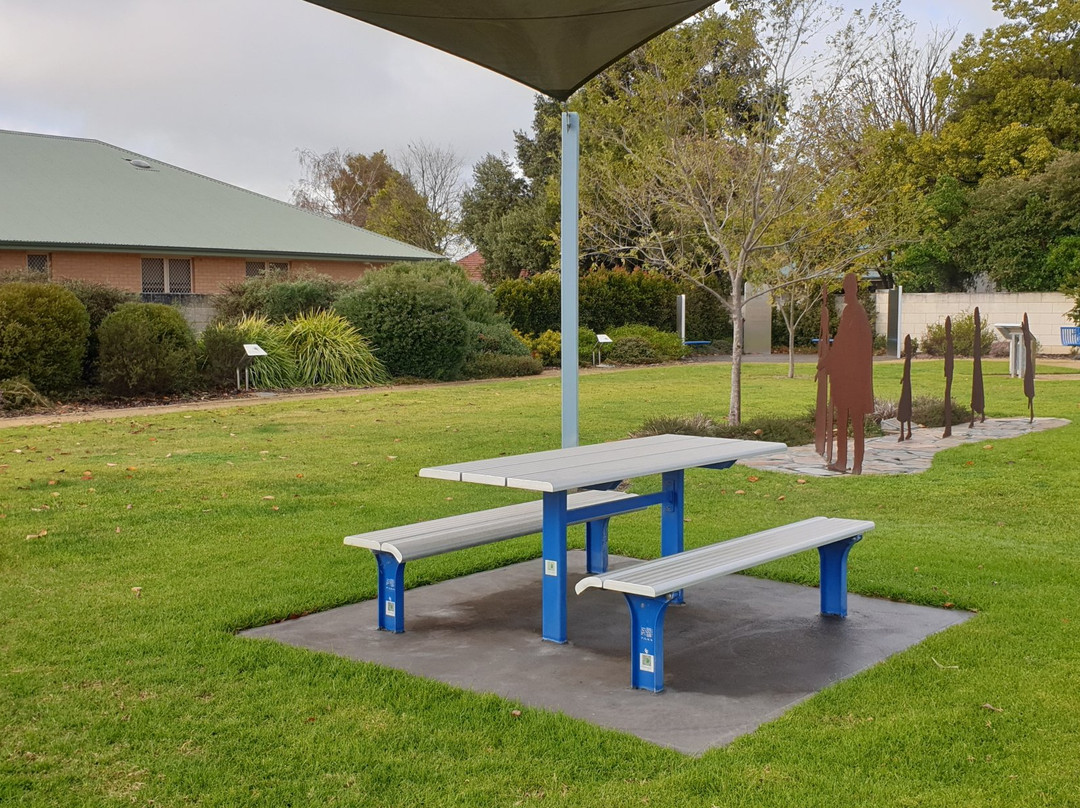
[{"x": 885, "y": 455}]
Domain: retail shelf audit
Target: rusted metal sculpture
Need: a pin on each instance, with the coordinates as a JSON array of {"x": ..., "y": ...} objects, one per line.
[
  {"x": 850, "y": 367},
  {"x": 948, "y": 377},
  {"x": 1029, "y": 368},
  {"x": 978, "y": 401},
  {"x": 903, "y": 408},
  {"x": 823, "y": 413}
]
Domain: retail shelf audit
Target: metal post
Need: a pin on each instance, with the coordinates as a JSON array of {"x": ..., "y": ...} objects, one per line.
[
  {"x": 553, "y": 591},
  {"x": 569, "y": 269}
]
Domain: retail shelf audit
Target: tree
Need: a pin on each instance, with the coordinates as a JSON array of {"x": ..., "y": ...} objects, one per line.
[
  {"x": 510, "y": 212},
  {"x": 899, "y": 83},
  {"x": 435, "y": 174},
  {"x": 1013, "y": 224},
  {"x": 721, "y": 145},
  {"x": 416, "y": 201},
  {"x": 341, "y": 185}
]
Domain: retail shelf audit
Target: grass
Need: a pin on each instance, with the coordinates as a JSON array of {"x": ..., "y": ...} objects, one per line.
[{"x": 232, "y": 518}]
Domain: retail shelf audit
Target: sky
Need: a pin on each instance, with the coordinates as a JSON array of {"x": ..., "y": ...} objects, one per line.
[{"x": 233, "y": 88}]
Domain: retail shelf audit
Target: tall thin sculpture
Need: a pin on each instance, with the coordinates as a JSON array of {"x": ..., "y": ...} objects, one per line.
[
  {"x": 822, "y": 417},
  {"x": 1029, "y": 368},
  {"x": 850, "y": 365},
  {"x": 978, "y": 402},
  {"x": 948, "y": 377},
  {"x": 903, "y": 408}
]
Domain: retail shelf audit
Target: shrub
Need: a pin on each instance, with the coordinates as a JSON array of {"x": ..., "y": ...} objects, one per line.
[
  {"x": 289, "y": 299},
  {"x": 532, "y": 305},
  {"x": 219, "y": 353},
  {"x": 664, "y": 344},
  {"x": 276, "y": 370},
  {"x": 963, "y": 333},
  {"x": 494, "y": 365},
  {"x": 632, "y": 351},
  {"x": 498, "y": 338},
  {"x": 277, "y": 296},
  {"x": 418, "y": 328},
  {"x": 477, "y": 303},
  {"x": 100, "y": 301},
  {"x": 19, "y": 394},
  {"x": 43, "y": 335},
  {"x": 329, "y": 351},
  {"x": 791, "y": 431},
  {"x": 548, "y": 348},
  {"x": 146, "y": 349}
]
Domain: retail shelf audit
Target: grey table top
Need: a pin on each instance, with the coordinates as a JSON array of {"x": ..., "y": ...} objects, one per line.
[{"x": 597, "y": 464}]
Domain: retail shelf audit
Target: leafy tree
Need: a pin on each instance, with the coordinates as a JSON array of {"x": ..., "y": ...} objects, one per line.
[
  {"x": 1013, "y": 223},
  {"x": 721, "y": 145},
  {"x": 509, "y": 217},
  {"x": 416, "y": 203},
  {"x": 1015, "y": 92}
]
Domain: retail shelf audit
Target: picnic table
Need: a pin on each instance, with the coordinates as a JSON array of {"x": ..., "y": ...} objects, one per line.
[{"x": 601, "y": 466}]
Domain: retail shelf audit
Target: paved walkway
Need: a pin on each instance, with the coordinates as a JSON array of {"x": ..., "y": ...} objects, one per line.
[{"x": 886, "y": 455}]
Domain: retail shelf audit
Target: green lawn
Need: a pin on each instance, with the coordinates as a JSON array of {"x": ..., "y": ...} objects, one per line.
[{"x": 232, "y": 518}]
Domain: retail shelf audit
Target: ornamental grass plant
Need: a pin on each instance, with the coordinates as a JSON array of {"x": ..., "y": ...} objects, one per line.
[{"x": 330, "y": 352}]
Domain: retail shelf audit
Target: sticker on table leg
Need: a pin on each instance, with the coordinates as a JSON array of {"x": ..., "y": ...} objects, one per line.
[
  {"x": 551, "y": 568},
  {"x": 646, "y": 663}
]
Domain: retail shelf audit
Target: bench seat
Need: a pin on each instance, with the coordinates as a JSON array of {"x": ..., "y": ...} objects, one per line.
[
  {"x": 394, "y": 546},
  {"x": 649, "y": 587}
]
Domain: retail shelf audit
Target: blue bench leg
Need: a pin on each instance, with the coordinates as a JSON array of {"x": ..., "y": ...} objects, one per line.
[
  {"x": 671, "y": 519},
  {"x": 391, "y": 593},
  {"x": 596, "y": 546},
  {"x": 833, "y": 559},
  {"x": 647, "y": 642}
]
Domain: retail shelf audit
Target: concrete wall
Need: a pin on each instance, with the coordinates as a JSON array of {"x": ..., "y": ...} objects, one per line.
[{"x": 1046, "y": 313}]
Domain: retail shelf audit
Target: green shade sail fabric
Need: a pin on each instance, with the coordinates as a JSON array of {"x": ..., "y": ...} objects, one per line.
[{"x": 553, "y": 46}]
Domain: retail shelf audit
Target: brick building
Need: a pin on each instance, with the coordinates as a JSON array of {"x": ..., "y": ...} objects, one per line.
[{"x": 87, "y": 210}]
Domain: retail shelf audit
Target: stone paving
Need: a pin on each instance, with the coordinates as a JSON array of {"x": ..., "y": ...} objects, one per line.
[{"x": 886, "y": 455}]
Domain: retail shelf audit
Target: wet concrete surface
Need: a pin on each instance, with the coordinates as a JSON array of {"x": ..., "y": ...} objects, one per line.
[{"x": 739, "y": 653}]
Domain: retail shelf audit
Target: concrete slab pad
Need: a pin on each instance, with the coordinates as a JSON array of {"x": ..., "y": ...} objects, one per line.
[{"x": 739, "y": 653}]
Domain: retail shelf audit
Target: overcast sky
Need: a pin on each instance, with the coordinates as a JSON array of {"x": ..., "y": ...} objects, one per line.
[{"x": 232, "y": 88}]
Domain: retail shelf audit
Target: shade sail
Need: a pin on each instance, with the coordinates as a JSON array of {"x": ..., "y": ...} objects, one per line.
[{"x": 553, "y": 46}]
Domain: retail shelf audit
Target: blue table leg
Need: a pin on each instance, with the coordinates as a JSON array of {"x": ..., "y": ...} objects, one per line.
[
  {"x": 671, "y": 519},
  {"x": 391, "y": 593},
  {"x": 647, "y": 642},
  {"x": 554, "y": 552},
  {"x": 596, "y": 546},
  {"x": 833, "y": 562}
]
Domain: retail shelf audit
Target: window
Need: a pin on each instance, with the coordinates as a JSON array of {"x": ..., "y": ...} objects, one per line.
[
  {"x": 37, "y": 263},
  {"x": 166, "y": 276},
  {"x": 253, "y": 269}
]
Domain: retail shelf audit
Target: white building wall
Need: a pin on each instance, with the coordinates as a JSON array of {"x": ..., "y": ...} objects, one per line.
[{"x": 1046, "y": 313}]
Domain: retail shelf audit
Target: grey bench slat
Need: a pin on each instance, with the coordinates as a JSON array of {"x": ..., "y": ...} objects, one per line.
[
  {"x": 435, "y": 536},
  {"x": 672, "y": 573}
]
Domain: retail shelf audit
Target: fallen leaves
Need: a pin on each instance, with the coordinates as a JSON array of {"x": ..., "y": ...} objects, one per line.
[
  {"x": 39, "y": 535},
  {"x": 992, "y": 708},
  {"x": 137, "y": 591}
]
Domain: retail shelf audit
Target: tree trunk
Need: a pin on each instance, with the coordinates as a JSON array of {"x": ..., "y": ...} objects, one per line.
[
  {"x": 791, "y": 352},
  {"x": 737, "y": 325}
]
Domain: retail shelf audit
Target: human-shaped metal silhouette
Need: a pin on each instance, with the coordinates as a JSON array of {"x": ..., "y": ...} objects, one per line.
[
  {"x": 850, "y": 365},
  {"x": 978, "y": 402},
  {"x": 1029, "y": 368},
  {"x": 948, "y": 377},
  {"x": 823, "y": 413},
  {"x": 903, "y": 408}
]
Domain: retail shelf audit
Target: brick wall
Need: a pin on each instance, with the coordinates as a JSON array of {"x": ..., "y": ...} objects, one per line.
[{"x": 209, "y": 273}]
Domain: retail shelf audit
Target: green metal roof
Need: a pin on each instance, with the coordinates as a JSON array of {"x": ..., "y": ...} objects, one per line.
[{"x": 71, "y": 193}]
